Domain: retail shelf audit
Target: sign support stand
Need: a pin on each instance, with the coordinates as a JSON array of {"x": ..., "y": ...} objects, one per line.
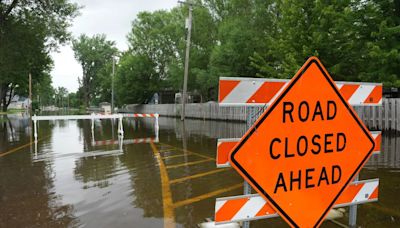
[
  {"x": 246, "y": 186},
  {"x": 353, "y": 211}
]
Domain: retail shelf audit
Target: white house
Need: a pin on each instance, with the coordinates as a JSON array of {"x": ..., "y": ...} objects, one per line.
[
  {"x": 106, "y": 107},
  {"x": 18, "y": 102}
]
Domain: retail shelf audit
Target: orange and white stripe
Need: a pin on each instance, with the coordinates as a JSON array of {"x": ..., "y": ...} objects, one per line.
[
  {"x": 105, "y": 142},
  {"x": 253, "y": 207},
  {"x": 138, "y": 115},
  {"x": 142, "y": 140},
  {"x": 261, "y": 91},
  {"x": 125, "y": 142},
  {"x": 225, "y": 146}
]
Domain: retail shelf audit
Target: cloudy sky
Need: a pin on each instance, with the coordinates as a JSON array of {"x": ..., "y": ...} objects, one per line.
[{"x": 112, "y": 18}]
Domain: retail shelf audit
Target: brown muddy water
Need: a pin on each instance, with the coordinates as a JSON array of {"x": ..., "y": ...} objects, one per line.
[{"x": 67, "y": 180}]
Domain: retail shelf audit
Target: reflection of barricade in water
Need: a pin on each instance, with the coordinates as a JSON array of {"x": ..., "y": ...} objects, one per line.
[
  {"x": 124, "y": 142},
  {"x": 92, "y": 117},
  {"x": 390, "y": 158}
]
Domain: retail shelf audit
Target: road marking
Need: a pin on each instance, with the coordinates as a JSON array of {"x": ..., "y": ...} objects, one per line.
[
  {"x": 187, "y": 163},
  {"x": 200, "y": 155},
  {"x": 21, "y": 147},
  {"x": 207, "y": 195},
  {"x": 168, "y": 207},
  {"x": 338, "y": 223},
  {"x": 174, "y": 156},
  {"x": 166, "y": 150},
  {"x": 196, "y": 176}
]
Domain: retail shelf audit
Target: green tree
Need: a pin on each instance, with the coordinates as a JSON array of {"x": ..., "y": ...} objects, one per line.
[
  {"x": 61, "y": 97},
  {"x": 136, "y": 79},
  {"x": 29, "y": 30},
  {"x": 356, "y": 40},
  {"x": 44, "y": 91},
  {"x": 161, "y": 35},
  {"x": 93, "y": 53},
  {"x": 74, "y": 101}
]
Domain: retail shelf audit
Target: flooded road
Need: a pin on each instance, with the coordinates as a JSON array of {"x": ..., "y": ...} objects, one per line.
[{"x": 73, "y": 178}]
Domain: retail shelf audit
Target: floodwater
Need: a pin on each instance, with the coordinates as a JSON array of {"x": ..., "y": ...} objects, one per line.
[{"x": 69, "y": 179}]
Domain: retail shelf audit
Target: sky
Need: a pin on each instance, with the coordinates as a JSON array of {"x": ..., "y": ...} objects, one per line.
[{"x": 112, "y": 18}]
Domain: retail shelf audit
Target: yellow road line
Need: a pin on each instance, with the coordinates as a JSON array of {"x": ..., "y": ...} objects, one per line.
[
  {"x": 174, "y": 156},
  {"x": 21, "y": 147},
  {"x": 200, "y": 155},
  {"x": 207, "y": 195},
  {"x": 187, "y": 164},
  {"x": 196, "y": 176},
  {"x": 166, "y": 150},
  {"x": 168, "y": 207}
]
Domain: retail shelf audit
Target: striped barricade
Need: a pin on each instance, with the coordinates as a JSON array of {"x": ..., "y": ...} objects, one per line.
[
  {"x": 261, "y": 91},
  {"x": 139, "y": 115},
  {"x": 254, "y": 207},
  {"x": 125, "y": 142},
  {"x": 225, "y": 146}
]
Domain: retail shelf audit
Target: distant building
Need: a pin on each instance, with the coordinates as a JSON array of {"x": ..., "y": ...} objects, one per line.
[
  {"x": 165, "y": 96},
  {"x": 19, "y": 102},
  {"x": 106, "y": 107},
  {"x": 391, "y": 92}
]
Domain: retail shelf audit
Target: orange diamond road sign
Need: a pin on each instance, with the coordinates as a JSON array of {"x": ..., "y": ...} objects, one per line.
[{"x": 305, "y": 148}]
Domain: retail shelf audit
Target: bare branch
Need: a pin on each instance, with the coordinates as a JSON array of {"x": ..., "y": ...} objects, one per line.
[{"x": 4, "y": 15}]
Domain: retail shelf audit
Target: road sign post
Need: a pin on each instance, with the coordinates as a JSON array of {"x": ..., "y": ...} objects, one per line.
[
  {"x": 246, "y": 186},
  {"x": 306, "y": 148},
  {"x": 353, "y": 212}
]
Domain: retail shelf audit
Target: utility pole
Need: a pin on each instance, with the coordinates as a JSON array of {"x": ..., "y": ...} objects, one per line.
[
  {"x": 112, "y": 86},
  {"x": 185, "y": 77},
  {"x": 30, "y": 93}
]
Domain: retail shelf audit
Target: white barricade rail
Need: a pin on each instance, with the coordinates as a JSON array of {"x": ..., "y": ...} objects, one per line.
[
  {"x": 138, "y": 115},
  {"x": 254, "y": 207},
  {"x": 260, "y": 91},
  {"x": 76, "y": 117}
]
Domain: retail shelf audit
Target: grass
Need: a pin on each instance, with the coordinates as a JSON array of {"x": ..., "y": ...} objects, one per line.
[{"x": 12, "y": 111}]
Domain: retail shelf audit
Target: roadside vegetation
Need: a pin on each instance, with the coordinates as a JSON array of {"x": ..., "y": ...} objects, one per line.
[
  {"x": 29, "y": 31},
  {"x": 356, "y": 41}
]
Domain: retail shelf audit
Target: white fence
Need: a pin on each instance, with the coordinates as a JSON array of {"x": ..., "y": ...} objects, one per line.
[{"x": 385, "y": 117}]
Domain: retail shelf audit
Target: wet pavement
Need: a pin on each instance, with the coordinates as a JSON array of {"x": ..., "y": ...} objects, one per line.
[{"x": 73, "y": 178}]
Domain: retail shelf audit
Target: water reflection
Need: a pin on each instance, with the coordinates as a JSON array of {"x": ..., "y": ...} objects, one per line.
[
  {"x": 72, "y": 182},
  {"x": 390, "y": 155},
  {"x": 27, "y": 194}
]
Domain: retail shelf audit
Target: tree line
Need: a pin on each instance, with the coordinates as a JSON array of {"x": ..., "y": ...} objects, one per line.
[
  {"x": 355, "y": 40},
  {"x": 29, "y": 31}
]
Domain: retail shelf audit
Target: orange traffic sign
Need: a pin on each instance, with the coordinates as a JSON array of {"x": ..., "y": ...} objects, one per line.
[{"x": 305, "y": 149}]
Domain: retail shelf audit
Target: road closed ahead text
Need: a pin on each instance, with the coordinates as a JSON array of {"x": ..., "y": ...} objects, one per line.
[{"x": 307, "y": 145}]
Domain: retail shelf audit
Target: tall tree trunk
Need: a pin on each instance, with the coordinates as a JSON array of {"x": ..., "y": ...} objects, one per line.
[
  {"x": 6, "y": 102},
  {"x": 3, "y": 94},
  {"x": 86, "y": 95},
  {"x": 86, "y": 91}
]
